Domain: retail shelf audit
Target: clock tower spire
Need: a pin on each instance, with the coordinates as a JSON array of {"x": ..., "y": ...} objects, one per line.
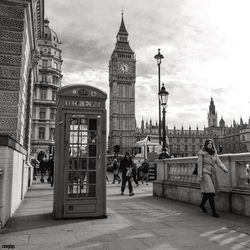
[{"x": 122, "y": 93}]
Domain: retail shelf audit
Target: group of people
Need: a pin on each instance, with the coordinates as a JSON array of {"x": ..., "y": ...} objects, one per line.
[
  {"x": 129, "y": 171},
  {"x": 47, "y": 166},
  {"x": 207, "y": 163}
]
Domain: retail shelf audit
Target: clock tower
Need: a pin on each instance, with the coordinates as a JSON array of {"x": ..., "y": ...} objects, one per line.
[{"x": 122, "y": 94}]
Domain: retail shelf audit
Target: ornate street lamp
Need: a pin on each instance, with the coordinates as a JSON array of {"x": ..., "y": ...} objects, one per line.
[
  {"x": 163, "y": 99},
  {"x": 158, "y": 57}
]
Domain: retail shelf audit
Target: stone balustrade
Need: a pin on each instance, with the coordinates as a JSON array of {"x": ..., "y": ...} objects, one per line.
[{"x": 176, "y": 181}]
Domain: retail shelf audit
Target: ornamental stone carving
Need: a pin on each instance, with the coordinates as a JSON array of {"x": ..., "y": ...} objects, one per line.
[
  {"x": 8, "y": 123},
  {"x": 8, "y": 47},
  {"x": 10, "y": 60},
  {"x": 9, "y": 97},
  {"x": 11, "y": 24},
  {"x": 6, "y": 109},
  {"x": 11, "y": 11},
  {"x": 9, "y": 84},
  {"x": 11, "y": 35},
  {"x": 9, "y": 72}
]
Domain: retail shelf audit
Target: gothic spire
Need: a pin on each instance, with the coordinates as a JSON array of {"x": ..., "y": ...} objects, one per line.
[{"x": 122, "y": 30}]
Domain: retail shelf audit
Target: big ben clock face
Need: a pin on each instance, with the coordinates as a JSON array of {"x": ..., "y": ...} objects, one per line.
[{"x": 124, "y": 68}]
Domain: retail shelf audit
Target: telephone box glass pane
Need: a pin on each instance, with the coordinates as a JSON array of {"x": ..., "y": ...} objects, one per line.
[
  {"x": 83, "y": 177},
  {"x": 92, "y": 124},
  {"x": 73, "y": 124},
  {"x": 73, "y": 151},
  {"x": 75, "y": 163},
  {"x": 92, "y": 162},
  {"x": 92, "y": 177},
  {"x": 92, "y": 137},
  {"x": 73, "y": 137},
  {"x": 83, "y": 163},
  {"x": 83, "y": 150},
  {"x": 92, "y": 191},
  {"x": 72, "y": 191},
  {"x": 83, "y": 124},
  {"x": 70, "y": 163},
  {"x": 71, "y": 177},
  {"x": 92, "y": 150},
  {"x": 83, "y": 137}
]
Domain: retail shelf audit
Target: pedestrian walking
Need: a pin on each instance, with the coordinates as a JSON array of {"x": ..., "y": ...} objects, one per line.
[
  {"x": 42, "y": 168},
  {"x": 50, "y": 166},
  {"x": 208, "y": 161},
  {"x": 145, "y": 171},
  {"x": 126, "y": 166},
  {"x": 134, "y": 173},
  {"x": 115, "y": 169}
]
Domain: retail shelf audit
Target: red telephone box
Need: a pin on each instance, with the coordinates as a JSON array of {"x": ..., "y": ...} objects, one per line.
[{"x": 80, "y": 153}]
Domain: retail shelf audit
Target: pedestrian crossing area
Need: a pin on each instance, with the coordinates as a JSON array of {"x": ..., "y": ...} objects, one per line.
[{"x": 229, "y": 237}]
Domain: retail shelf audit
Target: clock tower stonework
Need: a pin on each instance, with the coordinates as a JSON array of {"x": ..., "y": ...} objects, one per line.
[{"x": 122, "y": 93}]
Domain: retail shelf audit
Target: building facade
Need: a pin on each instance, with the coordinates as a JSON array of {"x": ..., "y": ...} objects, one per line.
[
  {"x": 45, "y": 91},
  {"x": 187, "y": 142},
  {"x": 18, "y": 72},
  {"x": 122, "y": 74},
  {"x": 18, "y": 69}
]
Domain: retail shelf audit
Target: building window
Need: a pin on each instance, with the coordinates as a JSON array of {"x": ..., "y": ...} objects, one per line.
[
  {"x": 52, "y": 114},
  {"x": 55, "y": 65},
  {"x": 44, "y": 78},
  {"x": 193, "y": 139},
  {"x": 45, "y": 63},
  {"x": 186, "y": 147},
  {"x": 41, "y": 133},
  {"x": 178, "y": 139},
  {"x": 53, "y": 95},
  {"x": 55, "y": 80},
  {"x": 42, "y": 113},
  {"x": 193, "y": 148},
  {"x": 186, "y": 140},
  {"x": 52, "y": 134},
  {"x": 43, "y": 93}
]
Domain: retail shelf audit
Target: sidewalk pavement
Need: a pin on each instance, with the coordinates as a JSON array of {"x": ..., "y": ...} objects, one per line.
[{"x": 138, "y": 222}]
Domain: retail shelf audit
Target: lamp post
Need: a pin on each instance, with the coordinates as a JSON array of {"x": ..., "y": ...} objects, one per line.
[
  {"x": 158, "y": 57},
  {"x": 163, "y": 99}
]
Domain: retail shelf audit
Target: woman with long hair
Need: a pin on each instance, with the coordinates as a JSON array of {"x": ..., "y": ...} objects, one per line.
[{"x": 208, "y": 160}]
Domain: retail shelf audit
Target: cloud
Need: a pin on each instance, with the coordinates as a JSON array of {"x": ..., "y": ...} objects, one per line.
[{"x": 206, "y": 52}]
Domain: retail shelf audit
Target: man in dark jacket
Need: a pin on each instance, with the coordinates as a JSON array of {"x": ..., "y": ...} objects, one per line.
[{"x": 126, "y": 166}]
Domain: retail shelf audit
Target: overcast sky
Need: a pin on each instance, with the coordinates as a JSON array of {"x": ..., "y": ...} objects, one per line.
[{"x": 206, "y": 45}]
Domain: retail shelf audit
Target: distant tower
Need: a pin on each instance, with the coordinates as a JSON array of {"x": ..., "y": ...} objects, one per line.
[
  {"x": 122, "y": 93},
  {"x": 212, "y": 115},
  {"x": 45, "y": 91}
]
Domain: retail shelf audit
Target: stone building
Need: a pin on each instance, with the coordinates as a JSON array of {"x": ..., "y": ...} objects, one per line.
[
  {"x": 122, "y": 93},
  {"x": 45, "y": 91},
  {"x": 187, "y": 142},
  {"x": 18, "y": 72}
]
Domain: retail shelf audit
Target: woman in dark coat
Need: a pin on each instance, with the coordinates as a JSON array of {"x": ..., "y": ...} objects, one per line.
[
  {"x": 126, "y": 166},
  {"x": 208, "y": 160}
]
